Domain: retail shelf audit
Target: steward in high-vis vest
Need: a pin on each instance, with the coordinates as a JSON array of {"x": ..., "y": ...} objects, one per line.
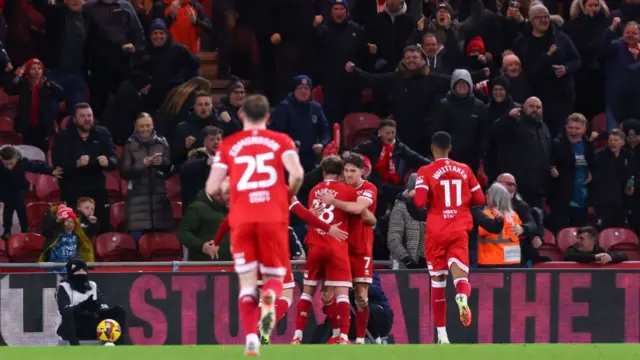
[{"x": 499, "y": 250}]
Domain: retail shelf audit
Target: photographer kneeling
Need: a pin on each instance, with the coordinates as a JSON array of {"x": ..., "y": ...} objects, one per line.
[{"x": 81, "y": 307}]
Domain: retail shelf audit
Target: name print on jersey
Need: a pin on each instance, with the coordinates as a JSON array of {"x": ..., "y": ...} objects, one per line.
[
  {"x": 257, "y": 164},
  {"x": 327, "y": 215}
]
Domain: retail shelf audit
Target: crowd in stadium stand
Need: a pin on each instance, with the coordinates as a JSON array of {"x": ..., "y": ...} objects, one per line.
[{"x": 110, "y": 118}]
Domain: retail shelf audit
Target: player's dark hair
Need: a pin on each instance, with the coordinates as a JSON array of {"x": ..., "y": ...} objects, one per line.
[
  {"x": 441, "y": 140},
  {"x": 8, "y": 152},
  {"x": 256, "y": 108},
  {"x": 353, "y": 159},
  {"x": 589, "y": 230},
  {"x": 81, "y": 106},
  {"x": 331, "y": 165},
  {"x": 387, "y": 123},
  {"x": 211, "y": 131}
]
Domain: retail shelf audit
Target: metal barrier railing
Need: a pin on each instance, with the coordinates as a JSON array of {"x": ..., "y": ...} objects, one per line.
[{"x": 175, "y": 265}]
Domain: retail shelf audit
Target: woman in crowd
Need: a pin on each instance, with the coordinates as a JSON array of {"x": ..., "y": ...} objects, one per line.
[{"x": 145, "y": 165}]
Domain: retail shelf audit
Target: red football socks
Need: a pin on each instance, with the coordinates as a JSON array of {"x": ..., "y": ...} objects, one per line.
[
  {"x": 282, "y": 307},
  {"x": 248, "y": 308},
  {"x": 362, "y": 321},
  {"x": 275, "y": 285},
  {"x": 330, "y": 310},
  {"x": 343, "y": 312},
  {"x": 462, "y": 286},
  {"x": 303, "y": 311},
  {"x": 439, "y": 303}
]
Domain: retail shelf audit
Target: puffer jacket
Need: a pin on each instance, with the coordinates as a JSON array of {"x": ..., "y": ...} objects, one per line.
[{"x": 147, "y": 203}]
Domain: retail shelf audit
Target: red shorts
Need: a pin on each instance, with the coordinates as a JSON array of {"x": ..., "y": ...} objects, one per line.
[
  {"x": 324, "y": 264},
  {"x": 287, "y": 282},
  {"x": 361, "y": 268},
  {"x": 261, "y": 245},
  {"x": 441, "y": 251}
]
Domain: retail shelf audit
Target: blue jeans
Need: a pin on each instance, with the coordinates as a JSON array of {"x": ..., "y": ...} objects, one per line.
[{"x": 73, "y": 84}]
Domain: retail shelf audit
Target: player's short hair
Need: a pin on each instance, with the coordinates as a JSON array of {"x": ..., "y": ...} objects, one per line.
[
  {"x": 201, "y": 93},
  {"x": 256, "y": 108},
  {"x": 211, "y": 131},
  {"x": 577, "y": 117},
  {"x": 352, "y": 158},
  {"x": 83, "y": 200},
  {"x": 441, "y": 140},
  {"x": 617, "y": 132},
  {"x": 332, "y": 165},
  {"x": 8, "y": 152},
  {"x": 589, "y": 230},
  {"x": 387, "y": 123}
]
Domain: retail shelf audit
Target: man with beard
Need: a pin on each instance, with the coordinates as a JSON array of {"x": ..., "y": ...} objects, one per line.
[
  {"x": 523, "y": 145},
  {"x": 81, "y": 307},
  {"x": 413, "y": 89},
  {"x": 85, "y": 151}
]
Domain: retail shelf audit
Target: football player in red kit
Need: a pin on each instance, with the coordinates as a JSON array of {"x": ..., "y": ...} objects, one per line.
[
  {"x": 256, "y": 160},
  {"x": 284, "y": 301},
  {"x": 360, "y": 236},
  {"x": 328, "y": 258},
  {"x": 449, "y": 188}
]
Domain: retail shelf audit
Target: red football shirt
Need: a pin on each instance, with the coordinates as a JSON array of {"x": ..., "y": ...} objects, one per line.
[
  {"x": 258, "y": 191},
  {"x": 361, "y": 235},
  {"x": 331, "y": 215},
  {"x": 449, "y": 185}
]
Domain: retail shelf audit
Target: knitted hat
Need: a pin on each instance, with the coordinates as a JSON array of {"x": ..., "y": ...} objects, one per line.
[
  {"x": 476, "y": 45},
  {"x": 344, "y": 3},
  {"x": 64, "y": 212},
  {"x": 446, "y": 7},
  {"x": 159, "y": 24},
  {"x": 30, "y": 63},
  {"x": 74, "y": 265},
  {"x": 302, "y": 80},
  {"x": 631, "y": 127},
  {"x": 500, "y": 80}
]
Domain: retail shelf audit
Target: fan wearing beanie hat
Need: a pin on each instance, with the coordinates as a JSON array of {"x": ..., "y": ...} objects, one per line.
[
  {"x": 71, "y": 240},
  {"x": 339, "y": 10}
]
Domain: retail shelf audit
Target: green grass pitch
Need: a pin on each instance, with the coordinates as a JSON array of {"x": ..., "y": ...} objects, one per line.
[{"x": 333, "y": 352}]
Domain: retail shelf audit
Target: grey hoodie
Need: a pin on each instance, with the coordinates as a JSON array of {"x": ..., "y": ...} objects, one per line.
[{"x": 460, "y": 74}]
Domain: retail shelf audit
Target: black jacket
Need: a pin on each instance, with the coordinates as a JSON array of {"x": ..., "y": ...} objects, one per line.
[
  {"x": 465, "y": 119},
  {"x": 574, "y": 254},
  {"x": 14, "y": 181},
  {"x": 404, "y": 159},
  {"x": 610, "y": 176},
  {"x": 523, "y": 150},
  {"x": 54, "y": 35},
  {"x": 122, "y": 109},
  {"x": 563, "y": 158},
  {"x": 390, "y": 36},
  {"x": 69, "y": 147}
]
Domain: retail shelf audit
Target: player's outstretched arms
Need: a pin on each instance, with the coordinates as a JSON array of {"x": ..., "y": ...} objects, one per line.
[{"x": 291, "y": 163}]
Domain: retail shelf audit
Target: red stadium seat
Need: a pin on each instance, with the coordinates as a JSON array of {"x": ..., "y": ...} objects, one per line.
[
  {"x": 552, "y": 251},
  {"x": 634, "y": 255},
  {"x": 47, "y": 188},
  {"x": 123, "y": 188},
  {"x": 113, "y": 246},
  {"x": 31, "y": 195},
  {"x": 119, "y": 151},
  {"x": 599, "y": 125},
  {"x": 7, "y": 135},
  {"x": 367, "y": 95},
  {"x": 25, "y": 248},
  {"x": 36, "y": 212},
  {"x": 160, "y": 247},
  {"x": 317, "y": 95},
  {"x": 567, "y": 237},
  {"x": 549, "y": 238},
  {"x": 63, "y": 124},
  {"x": 117, "y": 215},
  {"x": 618, "y": 238},
  {"x": 113, "y": 186},
  {"x": 174, "y": 188},
  {"x": 177, "y": 210},
  {"x": 4, "y": 257},
  {"x": 358, "y": 128},
  {"x": 8, "y": 111}
]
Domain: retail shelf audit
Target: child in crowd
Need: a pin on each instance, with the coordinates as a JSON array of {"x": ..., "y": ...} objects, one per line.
[
  {"x": 85, "y": 209},
  {"x": 70, "y": 242},
  {"x": 14, "y": 186}
]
